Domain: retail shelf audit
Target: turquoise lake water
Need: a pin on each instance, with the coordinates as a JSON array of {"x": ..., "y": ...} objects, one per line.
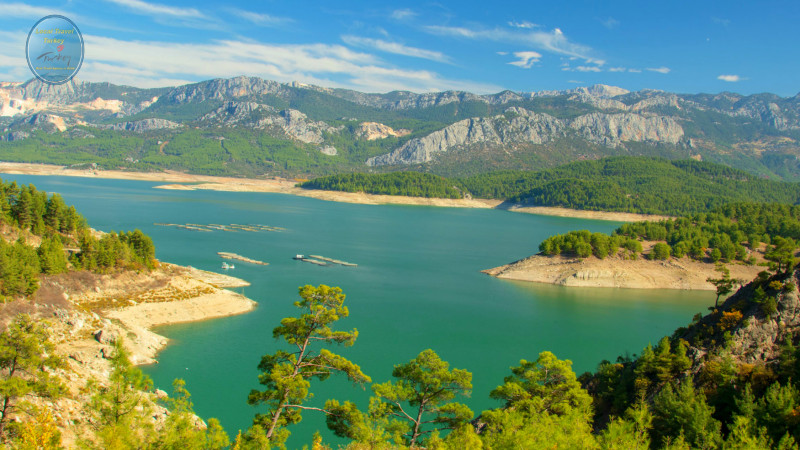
[{"x": 417, "y": 286}]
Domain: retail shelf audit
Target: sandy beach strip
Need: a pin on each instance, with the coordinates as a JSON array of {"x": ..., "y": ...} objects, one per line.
[{"x": 189, "y": 182}]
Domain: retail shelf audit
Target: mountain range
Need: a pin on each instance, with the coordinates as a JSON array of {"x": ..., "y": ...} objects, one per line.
[{"x": 251, "y": 127}]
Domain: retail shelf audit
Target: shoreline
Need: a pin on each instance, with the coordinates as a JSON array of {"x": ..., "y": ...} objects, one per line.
[
  {"x": 133, "y": 305},
  {"x": 616, "y": 272},
  {"x": 179, "y": 181}
]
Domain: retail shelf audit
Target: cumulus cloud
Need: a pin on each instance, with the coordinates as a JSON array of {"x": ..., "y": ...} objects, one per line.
[
  {"x": 396, "y": 48},
  {"x": 729, "y": 78},
  {"x": 661, "y": 69},
  {"x": 526, "y": 59}
]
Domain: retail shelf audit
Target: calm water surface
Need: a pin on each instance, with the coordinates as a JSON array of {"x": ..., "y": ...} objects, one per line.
[{"x": 417, "y": 286}]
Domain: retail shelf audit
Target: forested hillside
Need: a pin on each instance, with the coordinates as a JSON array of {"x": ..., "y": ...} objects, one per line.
[
  {"x": 413, "y": 184},
  {"x": 50, "y": 237},
  {"x": 625, "y": 184}
]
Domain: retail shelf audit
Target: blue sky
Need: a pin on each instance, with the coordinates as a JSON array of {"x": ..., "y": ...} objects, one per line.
[{"x": 478, "y": 46}]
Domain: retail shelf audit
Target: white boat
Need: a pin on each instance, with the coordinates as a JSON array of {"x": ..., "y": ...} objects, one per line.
[
  {"x": 299, "y": 256},
  {"x": 227, "y": 266}
]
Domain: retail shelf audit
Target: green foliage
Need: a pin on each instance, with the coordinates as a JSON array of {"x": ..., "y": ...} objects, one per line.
[
  {"x": 547, "y": 385},
  {"x": 716, "y": 235},
  {"x": 508, "y": 428},
  {"x": 633, "y": 184},
  {"x": 725, "y": 284},
  {"x": 413, "y": 184},
  {"x": 180, "y": 430},
  {"x": 682, "y": 411},
  {"x": 585, "y": 243},
  {"x": 287, "y": 375},
  {"x": 19, "y": 269},
  {"x": 777, "y": 411},
  {"x": 661, "y": 251},
  {"x": 52, "y": 258},
  {"x": 630, "y": 432},
  {"x": 121, "y": 409},
  {"x": 26, "y": 356},
  {"x": 420, "y": 398}
]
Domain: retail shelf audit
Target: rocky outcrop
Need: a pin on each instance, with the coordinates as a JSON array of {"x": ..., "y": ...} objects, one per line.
[
  {"x": 223, "y": 89},
  {"x": 374, "y": 130},
  {"x": 329, "y": 150},
  {"x": 519, "y": 125},
  {"x": 14, "y": 136},
  {"x": 758, "y": 339},
  {"x": 613, "y": 129},
  {"x": 250, "y": 114},
  {"x": 144, "y": 125}
]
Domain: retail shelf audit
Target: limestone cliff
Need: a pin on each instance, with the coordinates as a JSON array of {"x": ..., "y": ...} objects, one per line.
[{"x": 519, "y": 125}]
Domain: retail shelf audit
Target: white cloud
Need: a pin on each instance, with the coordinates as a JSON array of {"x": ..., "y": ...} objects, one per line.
[
  {"x": 526, "y": 59},
  {"x": 156, "y": 9},
  {"x": 610, "y": 23},
  {"x": 396, "y": 48},
  {"x": 258, "y": 18},
  {"x": 729, "y": 78},
  {"x": 402, "y": 14},
  {"x": 142, "y": 64},
  {"x": 635, "y": 70},
  {"x": 661, "y": 69},
  {"x": 574, "y": 81},
  {"x": 588, "y": 69},
  {"x": 23, "y": 10},
  {"x": 523, "y": 24},
  {"x": 502, "y": 53},
  {"x": 617, "y": 69},
  {"x": 550, "y": 41}
]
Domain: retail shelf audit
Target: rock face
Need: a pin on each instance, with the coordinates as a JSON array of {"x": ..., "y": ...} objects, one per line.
[
  {"x": 373, "y": 130},
  {"x": 294, "y": 123},
  {"x": 519, "y": 125},
  {"x": 144, "y": 125},
  {"x": 760, "y": 339},
  {"x": 223, "y": 89}
]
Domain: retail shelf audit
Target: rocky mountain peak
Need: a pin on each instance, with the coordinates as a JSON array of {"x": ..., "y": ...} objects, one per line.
[{"x": 604, "y": 90}]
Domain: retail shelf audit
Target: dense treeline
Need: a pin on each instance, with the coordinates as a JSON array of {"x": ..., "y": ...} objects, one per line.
[
  {"x": 728, "y": 233},
  {"x": 625, "y": 184},
  {"x": 413, "y": 184},
  {"x": 34, "y": 216},
  {"x": 633, "y": 184}
]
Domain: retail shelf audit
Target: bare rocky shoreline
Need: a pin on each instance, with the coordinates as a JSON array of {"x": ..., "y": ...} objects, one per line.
[
  {"x": 616, "y": 272},
  {"x": 183, "y": 181}
]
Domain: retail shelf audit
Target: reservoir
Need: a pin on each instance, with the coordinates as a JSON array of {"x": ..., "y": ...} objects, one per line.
[{"x": 417, "y": 285}]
